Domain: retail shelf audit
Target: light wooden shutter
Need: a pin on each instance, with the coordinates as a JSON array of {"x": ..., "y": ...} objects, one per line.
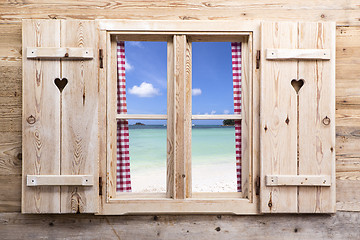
[
  {"x": 297, "y": 129},
  {"x": 60, "y": 128}
]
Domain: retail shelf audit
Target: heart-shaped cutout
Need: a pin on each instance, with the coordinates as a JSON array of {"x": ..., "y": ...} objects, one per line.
[
  {"x": 60, "y": 83},
  {"x": 297, "y": 84}
]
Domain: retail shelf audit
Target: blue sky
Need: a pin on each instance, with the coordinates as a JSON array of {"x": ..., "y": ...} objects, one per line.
[{"x": 146, "y": 78}]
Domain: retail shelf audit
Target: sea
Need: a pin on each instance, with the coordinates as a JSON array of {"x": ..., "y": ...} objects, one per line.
[{"x": 212, "y": 146}]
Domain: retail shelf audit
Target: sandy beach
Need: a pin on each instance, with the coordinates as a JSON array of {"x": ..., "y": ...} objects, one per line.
[{"x": 219, "y": 177}]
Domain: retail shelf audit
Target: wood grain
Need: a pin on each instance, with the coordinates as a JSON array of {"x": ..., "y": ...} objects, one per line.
[
  {"x": 343, "y": 225},
  {"x": 10, "y": 153},
  {"x": 41, "y": 100},
  {"x": 278, "y": 114},
  {"x": 111, "y": 124},
  {"x": 343, "y": 12},
  {"x": 292, "y": 54},
  {"x": 10, "y": 197},
  {"x": 347, "y": 85},
  {"x": 170, "y": 148},
  {"x": 316, "y": 102},
  {"x": 188, "y": 119},
  {"x": 180, "y": 115},
  {"x": 80, "y": 146},
  {"x": 60, "y": 180},
  {"x": 298, "y": 180},
  {"x": 63, "y": 53},
  {"x": 103, "y": 147}
]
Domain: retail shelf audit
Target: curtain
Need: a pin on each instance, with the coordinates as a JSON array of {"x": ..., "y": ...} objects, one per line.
[
  {"x": 236, "y": 68},
  {"x": 123, "y": 180}
]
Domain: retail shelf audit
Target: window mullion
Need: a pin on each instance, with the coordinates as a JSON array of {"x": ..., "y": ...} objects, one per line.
[{"x": 181, "y": 122}]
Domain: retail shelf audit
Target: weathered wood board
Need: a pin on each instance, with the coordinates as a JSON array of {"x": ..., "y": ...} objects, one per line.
[
  {"x": 341, "y": 226},
  {"x": 60, "y": 124}
]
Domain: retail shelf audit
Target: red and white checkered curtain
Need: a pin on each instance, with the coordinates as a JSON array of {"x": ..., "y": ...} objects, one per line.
[
  {"x": 123, "y": 180},
  {"x": 236, "y": 68}
]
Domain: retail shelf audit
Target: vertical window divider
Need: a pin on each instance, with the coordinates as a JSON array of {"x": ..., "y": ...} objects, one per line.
[
  {"x": 188, "y": 118},
  {"x": 181, "y": 121},
  {"x": 170, "y": 173}
]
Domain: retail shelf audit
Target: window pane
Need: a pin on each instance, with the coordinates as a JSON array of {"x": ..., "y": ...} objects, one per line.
[
  {"x": 213, "y": 157},
  {"x": 146, "y": 77},
  {"x": 212, "y": 79},
  {"x": 147, "y": 155}
]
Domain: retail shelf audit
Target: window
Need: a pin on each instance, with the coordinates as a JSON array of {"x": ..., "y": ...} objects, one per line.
[
  {"x": 70, "y": 117},
  {"x": 179, "y": 121}
]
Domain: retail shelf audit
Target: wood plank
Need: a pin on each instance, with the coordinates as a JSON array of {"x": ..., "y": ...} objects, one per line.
[
  {"x": 10, "y": 197},
  {"x": 298, "y": 180},
  {"x": 181, "y": 27},
  {"x": 111, "y": 86},
  {"x": 347, "y": 149},
  {"x": 316, "y": 102},
  {"x": 10, "y": 153},
  {"x": 343, "y": 12},
  {"x": 223, "y": 116},
  {"x": 253, "y": 119},
  {"x": 180, "y": 115},
  {"x": 173, "y": 206},
  {"x": 141, "y": 116},
  {"x": 60, "y": 180},
  {"x": 170, "y": 161},
  {"x": 41, "y": 99},
  {"x": 348, "y": 191},
  {"x": 303, "y": 54},
  {"x": 278, "y": 125},
  {"x": 79, "y": 118},
  {"x": 61, "y": 52},
  {"x": 103, "y": 147},
  {"x": 10, "y": 45},
  {"x": 187, "y": 119},
  {"x": 343, "y": 225}
]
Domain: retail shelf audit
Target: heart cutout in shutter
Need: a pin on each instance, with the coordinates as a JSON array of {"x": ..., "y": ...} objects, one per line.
[
  {"x": 297, "y": 84},
  {"x": 60, "y": 83}
]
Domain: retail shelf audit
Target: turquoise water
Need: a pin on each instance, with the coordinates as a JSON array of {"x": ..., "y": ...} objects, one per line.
[
  {"x": 210, "y": 144},
  {"x": 147, "y": 146},
  {"x": 213, "y": 144}
]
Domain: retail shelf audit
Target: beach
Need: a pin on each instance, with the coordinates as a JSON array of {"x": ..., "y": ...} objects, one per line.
[{"x": 213, "y": 159}]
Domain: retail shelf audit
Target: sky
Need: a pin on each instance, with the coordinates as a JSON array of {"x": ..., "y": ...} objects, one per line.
[{"x": 146, "y": 79}]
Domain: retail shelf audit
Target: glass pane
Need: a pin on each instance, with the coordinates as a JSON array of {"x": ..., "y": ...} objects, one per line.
[
  {"x": 212, "y": 79},
  {"x": 147, "y": 153},
  {"x": 146, "y": 77},
  {"x": 213, "y": 157}
]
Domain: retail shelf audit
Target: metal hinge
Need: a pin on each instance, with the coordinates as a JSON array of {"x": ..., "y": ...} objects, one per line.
[
  {"x": 258, "y": 59},
  {"x": 257, "y": 186},
  {"x": 101, "y": 57},
  {"x": 100, "y": 186}
]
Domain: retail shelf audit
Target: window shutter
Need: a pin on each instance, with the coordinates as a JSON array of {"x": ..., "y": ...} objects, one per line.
[
  {"x": 297, "y": 115},
  {"x": 60, "y": 116}
]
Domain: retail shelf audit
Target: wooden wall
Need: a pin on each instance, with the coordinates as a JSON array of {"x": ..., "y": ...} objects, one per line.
[{"x": 344, "y": 225}]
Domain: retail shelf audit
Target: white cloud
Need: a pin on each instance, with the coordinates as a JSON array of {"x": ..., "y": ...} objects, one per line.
[
  {"x": 135, "y": 44},
  {"x": 128, "y": 66},
  {"x": 144, "y": 90},
  {"x": 196, "y": 91},
  {"x": 206, "y": 113},
  {"x": 226, "y": 111},
  {"x": 212, "y": 112}
]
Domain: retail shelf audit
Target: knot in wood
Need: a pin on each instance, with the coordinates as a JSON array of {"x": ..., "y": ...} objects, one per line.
[
  {"x": 31, "y": 119},
  {"x": 326, "y": 121}
]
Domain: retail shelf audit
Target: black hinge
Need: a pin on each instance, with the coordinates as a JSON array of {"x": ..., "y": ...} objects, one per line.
[
  {"x": 258, "y": 59},
  {"x": 257, "y": 186},
  {"x": 100, "y": 186},
  {"x": 101, "y": 57}
]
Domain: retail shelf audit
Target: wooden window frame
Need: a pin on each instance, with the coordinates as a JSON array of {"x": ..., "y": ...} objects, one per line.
[{"x": 179, "y": 199}]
